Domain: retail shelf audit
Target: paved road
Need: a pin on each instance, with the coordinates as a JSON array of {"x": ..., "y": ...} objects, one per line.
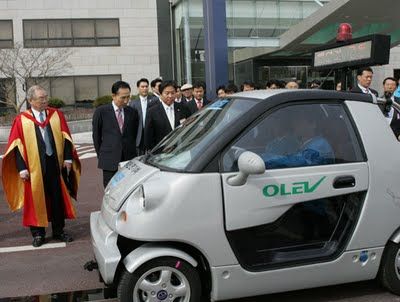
[{"x": 59, "y": 269}]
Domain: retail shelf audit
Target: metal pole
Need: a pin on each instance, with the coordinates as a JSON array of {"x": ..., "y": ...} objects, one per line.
[
  {"x": 172, "y": 39},
  {"x": 215, "y": 45},
  {"x": 186, "y": 38}
]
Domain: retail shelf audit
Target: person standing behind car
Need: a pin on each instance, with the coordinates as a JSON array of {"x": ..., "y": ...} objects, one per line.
[
  {"x": 141, "y": 105},
  {"x": 165, "y": 116},
  {"x": 247, "y": 86},
  {"x": 155, "y": 84},
  {"x": 198, "y": 101},
  {"x": 221, "y": 92},
  {"x": 178, "y": 96},
  {"x": 391, "y": 114},
  {"x": 364, "y": 79},
  {"x": 292, "y": 84},
  {"x": 187, "y": 92},
  {"x": 115, "y": 129}
]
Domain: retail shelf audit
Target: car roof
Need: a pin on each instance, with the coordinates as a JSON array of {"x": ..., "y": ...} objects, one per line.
[{"x": 302, "y": 94}]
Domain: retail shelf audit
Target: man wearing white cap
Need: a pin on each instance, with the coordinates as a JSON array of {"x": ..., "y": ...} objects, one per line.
[{"x": 187, "y": 92}]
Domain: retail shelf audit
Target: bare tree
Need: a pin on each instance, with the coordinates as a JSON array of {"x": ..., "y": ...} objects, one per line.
[{"x": 29, "y": 64}]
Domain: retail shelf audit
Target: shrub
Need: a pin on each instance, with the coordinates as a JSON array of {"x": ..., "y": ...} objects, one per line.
[
  {"x": 102, "y": 100},
  {"x": 84, "y": 104},
  {"x": 56, "y": 103}
]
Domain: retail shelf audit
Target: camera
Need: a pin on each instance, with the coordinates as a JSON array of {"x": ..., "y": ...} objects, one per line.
[{"x": 388, "y": 104}]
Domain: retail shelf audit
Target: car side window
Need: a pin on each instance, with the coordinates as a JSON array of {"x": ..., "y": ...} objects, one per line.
[{"x": 297, "y": 136}]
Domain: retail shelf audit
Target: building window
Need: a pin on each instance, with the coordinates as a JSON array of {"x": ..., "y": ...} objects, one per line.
[
  {"x": 7, "y": 92},
  {"x": 73, "y": 89},
  {"x": 6, "y": 34},
  {"x": 71, "y": 32}
]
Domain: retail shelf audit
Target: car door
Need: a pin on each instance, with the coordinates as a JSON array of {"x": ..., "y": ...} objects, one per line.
[{"x": 305, "y": 206}]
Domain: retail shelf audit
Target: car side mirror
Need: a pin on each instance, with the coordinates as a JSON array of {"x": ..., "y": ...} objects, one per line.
[{"x": 249, "y": 163}]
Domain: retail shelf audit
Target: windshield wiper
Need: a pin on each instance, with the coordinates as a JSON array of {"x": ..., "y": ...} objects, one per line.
[{"x": 146, "y": 156}]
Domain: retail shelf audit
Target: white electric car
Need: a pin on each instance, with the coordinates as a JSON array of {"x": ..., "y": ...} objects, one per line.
[{"x": 259, "y": 193}]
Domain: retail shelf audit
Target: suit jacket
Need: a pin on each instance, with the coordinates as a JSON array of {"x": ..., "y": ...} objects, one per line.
[
  {"x": 395, "y": 121},
  {"x": 137, "y": 105},
  {"x": 157, "y": 123},
  {"x": 357, "y": 89},
  {"x": 182, "y": 100},
  {"x": 153, "y": 100},
  {"x": 111, "y": 145},
  {"x": 192, "y": 105}
]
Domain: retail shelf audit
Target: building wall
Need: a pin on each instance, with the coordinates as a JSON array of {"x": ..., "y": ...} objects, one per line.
[
  {"x": 136, "y": 57},
  {"x": 381, "y": 72}
]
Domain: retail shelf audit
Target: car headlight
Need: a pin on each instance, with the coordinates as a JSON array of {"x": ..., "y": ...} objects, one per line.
[{"x": 134, "y": 204}]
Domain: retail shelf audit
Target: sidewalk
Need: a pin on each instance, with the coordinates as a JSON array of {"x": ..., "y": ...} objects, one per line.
[
  {"x": 81, "y": 127},
  {"x": 51, "y": 270},
  {"x": 82, "y": 138}
]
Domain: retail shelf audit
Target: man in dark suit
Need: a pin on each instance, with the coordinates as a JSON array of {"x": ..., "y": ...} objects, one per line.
[
  {"x": 198, "y": 101},
  {"x": 390, "y": 113},
  {"x": 164, "y": 117},
  {"x": 115, "y": 129},
  {"x": 40, "y": 151},
  {"x": 364, "y": 79},
  {"x": 141, "y": 105},
  {"x": 155, "y": 86},
  {"x": 187, "y": 92},
  {"x": 389, "y": 87}
]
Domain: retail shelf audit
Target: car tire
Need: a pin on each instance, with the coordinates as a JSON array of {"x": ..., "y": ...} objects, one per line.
[
  {"x": 389, "y": 271},
  {"x": 165, "y": 278},
  {"x": 109, "y": 292}
]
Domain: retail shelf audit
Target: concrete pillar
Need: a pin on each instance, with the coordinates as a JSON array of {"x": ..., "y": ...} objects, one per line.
[{"x": 215, "y": 45}]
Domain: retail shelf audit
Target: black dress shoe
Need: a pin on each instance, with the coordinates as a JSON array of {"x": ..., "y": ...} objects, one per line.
[
  {"x": 64, "y": 237},
  {"x": 37, "y": 241}
]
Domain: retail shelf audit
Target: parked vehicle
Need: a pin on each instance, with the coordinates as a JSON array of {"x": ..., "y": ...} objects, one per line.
[{"x": 264, "y": 192}]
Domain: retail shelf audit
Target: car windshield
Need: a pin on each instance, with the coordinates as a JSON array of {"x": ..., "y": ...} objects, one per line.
[{"x": 183, "y": 145}]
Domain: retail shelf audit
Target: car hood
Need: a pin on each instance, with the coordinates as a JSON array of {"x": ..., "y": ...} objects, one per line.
[{"x": 130, "y": 175}]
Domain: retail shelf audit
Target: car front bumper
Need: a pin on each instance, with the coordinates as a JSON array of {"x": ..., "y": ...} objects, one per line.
[{"x": 104, "y": 241}]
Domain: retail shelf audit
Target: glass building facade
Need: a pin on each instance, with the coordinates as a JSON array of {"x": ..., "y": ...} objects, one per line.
[{"x": 251, "y": 24}]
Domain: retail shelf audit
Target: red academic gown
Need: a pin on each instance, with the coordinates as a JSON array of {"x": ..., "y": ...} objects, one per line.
[{"x": 30, "y": 194}]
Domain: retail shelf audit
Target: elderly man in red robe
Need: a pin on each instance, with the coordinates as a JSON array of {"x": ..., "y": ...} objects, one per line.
[{"x": 41, "y": 168}]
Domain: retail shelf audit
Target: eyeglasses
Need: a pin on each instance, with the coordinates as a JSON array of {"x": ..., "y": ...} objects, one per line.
[{"x": 42, "y": 98}]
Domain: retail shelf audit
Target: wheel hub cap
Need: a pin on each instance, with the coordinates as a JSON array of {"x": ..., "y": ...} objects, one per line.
[
  {"x": 161, "y": 284},
  {"x": 162, "y": 295}
]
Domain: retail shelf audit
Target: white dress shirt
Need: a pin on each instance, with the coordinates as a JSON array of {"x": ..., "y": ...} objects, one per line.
[
  {"x": 36, "y": 115},
  {"x": 365, "y": 90},
  {"x": 143, "y": 103},
  {"x": 199, "y": 101},
  {"x": 116, "y": 112},
  {"x": 169, "y": 110}
]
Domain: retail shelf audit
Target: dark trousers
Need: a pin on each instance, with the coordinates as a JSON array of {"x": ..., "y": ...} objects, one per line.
[
  {"x": 107, "y": 175},
  {"x": 54, "y": 200},
  {"x": 140, "y": 149}
]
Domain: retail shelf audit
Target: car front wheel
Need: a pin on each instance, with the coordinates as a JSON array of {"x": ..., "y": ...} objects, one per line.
[
  {"x": 161, "y": 279},
  {"x": 389, "y": 272}
]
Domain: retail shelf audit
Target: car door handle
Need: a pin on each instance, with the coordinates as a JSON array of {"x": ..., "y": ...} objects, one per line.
[{"x": 346, "y": 181}]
